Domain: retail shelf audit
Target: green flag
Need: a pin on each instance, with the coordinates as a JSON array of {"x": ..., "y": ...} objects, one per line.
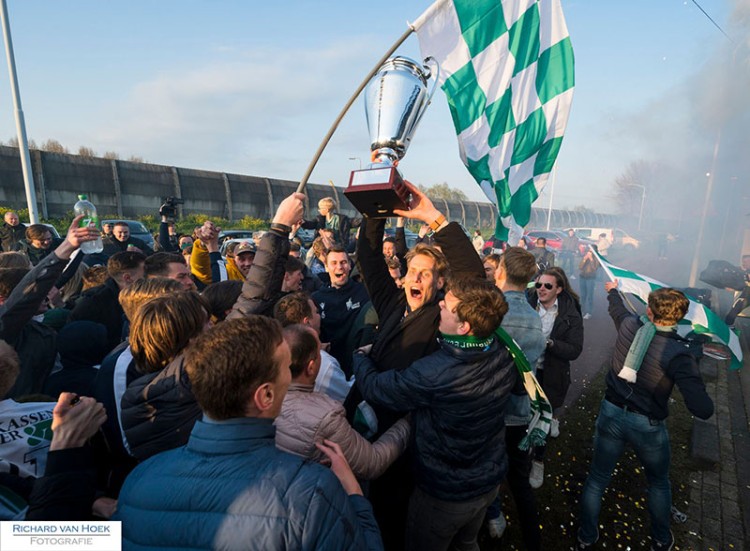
[
  {"x": 507, "y": 71},
  {"x": 699, "y": 320}
]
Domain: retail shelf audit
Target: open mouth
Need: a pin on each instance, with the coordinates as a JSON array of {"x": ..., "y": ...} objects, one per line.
[{"x": 415, "y": 293}]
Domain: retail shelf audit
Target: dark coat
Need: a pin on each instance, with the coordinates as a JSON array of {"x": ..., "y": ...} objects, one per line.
[
  {"x": 82, "y": 346},
  {"x": 112, "y": 246},
  {"x": 34, "y": 342},
  {"x": 669, "y": 359},
  {"x": 10, "y": 236},
  {"x": 457, "y": 398},
  {"x": 159, "y": 411},
  {"x": 101, "y": 305},
  {"x": 567, "y": 337},
  {"x": 400, "y": 340},
  {"x": 34, "y": 254},
  {"x": 67, "y": 490}
]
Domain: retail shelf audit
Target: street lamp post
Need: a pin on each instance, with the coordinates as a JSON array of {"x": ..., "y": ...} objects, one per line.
[
  {"x": 357, "y": 159},
  {"x": 643, "y": 202}
]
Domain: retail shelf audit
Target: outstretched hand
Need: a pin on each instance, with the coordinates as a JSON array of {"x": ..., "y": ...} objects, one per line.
[
  {"x": 420, "y": 208},
  {"x": 340, "y": 466}
]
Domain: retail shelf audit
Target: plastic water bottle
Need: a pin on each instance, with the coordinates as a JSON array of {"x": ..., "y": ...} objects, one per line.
[{"x": 90, "y": 218}]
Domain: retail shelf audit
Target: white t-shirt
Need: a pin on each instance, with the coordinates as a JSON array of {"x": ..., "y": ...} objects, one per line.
[{"x": 25, "y": 435}]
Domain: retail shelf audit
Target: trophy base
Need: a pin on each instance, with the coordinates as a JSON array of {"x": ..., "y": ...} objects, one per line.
[{"x": 376, "y": 192}]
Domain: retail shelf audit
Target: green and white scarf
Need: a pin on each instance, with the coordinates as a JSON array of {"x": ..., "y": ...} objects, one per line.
[{"x": 541, "y": 409}]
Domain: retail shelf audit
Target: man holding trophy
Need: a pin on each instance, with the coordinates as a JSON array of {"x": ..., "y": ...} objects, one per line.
[{"x": 409, "y": 316}]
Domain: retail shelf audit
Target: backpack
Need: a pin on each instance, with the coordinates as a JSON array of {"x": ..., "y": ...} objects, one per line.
[{"x": 723, "y": 275}]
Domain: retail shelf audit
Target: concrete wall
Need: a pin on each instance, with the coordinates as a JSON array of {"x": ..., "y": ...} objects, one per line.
[{"x": 128, "y": 190}]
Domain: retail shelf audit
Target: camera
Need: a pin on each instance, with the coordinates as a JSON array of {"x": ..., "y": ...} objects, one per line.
[{"x": 168, "y": 208}]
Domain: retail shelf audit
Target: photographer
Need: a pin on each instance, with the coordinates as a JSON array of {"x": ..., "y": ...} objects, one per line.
[{"x": 168, "y": 237}]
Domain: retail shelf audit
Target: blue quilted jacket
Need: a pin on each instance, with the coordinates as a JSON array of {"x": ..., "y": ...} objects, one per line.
[{"x": 230, "y": 488}]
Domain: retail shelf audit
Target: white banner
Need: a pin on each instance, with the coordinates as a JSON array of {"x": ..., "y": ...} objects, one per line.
[{"x": 59, "y": 536}]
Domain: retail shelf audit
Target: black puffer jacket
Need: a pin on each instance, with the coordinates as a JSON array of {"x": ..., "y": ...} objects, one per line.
[
  {"x": 669, "y": 359},
  {"x": 10, "y": 236},
  {"x": 457, "y": 398},
  {"x": 567, "y": 338},
  {"x": 159, "y": 411}
]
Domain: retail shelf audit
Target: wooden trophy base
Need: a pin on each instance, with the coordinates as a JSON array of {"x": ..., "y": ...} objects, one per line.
[{"x": 376, "y": 192}]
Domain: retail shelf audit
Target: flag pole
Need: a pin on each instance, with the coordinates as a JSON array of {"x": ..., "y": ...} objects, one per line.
[
  {"x": 551, "y": 195},
  {"x": 358, "y": 91}
]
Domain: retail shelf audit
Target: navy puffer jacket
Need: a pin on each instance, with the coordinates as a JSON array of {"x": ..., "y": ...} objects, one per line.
[{"x": 458, "y": 398}]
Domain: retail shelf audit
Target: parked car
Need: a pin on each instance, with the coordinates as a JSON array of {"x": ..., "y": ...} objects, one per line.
[
  {"x": 223, "y": 247},
  {"x": 137, "y": 229},
  {"x": 411, "y": 237},
  {"x": 235, "y": 234},
  {"x": 618, "y": 237},
  {"x": 52, "y": 230},
  {"x": 493, "y": 245},
  {"x": 554, "y": 239}
]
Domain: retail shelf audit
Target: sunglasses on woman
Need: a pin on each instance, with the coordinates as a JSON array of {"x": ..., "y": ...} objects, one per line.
[{"x": 548, "y": 286}]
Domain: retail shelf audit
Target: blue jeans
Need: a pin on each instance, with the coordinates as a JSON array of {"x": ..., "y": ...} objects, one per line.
[
  {"x": 616, "y": 427},
  {"x": 587, "y": 294}
]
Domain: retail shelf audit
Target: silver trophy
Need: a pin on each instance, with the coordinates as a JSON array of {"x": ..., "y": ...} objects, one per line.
[{"x": 395, "y": 100}]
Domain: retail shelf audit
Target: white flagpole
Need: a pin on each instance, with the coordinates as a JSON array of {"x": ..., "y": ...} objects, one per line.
[
  {"x": 551, "y": 194},
  {"x": 28, "y": 176}
]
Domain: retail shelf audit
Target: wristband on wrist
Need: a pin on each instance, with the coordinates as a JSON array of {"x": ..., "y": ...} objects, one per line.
[
  {"x": 439, "y": 221},
  {"x": 282, "y": 228}
]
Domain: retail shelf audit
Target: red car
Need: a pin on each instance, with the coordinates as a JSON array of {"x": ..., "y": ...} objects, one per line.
[{"x": 554, "y": 240}]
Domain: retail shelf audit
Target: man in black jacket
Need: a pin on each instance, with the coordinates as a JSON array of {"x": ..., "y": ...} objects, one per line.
[
  {"x": 11, "y": 232},
  {"x": 121, "y": 240},
  {"x": 457, "y": 398},
  {"x": 34, "y": 342},
  {"x": 639, "y": 383},
  {"x": 408, "y": 328},
  {"x": 101, "y": 304}
]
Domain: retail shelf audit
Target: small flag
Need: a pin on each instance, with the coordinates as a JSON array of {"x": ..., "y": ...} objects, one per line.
[
  {"x": 506, "y": 68},
  {"x": 699, "y": 320}
]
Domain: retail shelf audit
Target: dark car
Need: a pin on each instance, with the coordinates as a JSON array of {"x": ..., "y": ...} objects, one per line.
[
  {"x": 137, "y": 229},
  {"x": 411, "y": 237}
]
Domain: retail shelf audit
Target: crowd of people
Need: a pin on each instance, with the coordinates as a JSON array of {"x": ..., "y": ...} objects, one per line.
[{"x": 358, "y": 395}]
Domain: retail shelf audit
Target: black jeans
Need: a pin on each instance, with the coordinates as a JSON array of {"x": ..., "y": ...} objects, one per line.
[
  {"x": 437, "y": 525},
  {"x": 519, "y": 468}
]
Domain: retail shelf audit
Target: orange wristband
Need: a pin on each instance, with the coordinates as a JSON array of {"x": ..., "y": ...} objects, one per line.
[{"x": 434, "y": 226}]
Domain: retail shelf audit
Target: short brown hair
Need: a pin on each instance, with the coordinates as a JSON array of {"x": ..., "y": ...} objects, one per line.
[
  {"x": 124, "y": 261},
  {"x": 668, "y": 305},
  {"x": 293, "y": 308},
  {"x": 293, "y": 265},
  {"x": 221, "y": 296},
  {"x": 441, "y": 263},
  {"x": 9, "y": 367},
  {"x": 227, "y": 363},
  {"x": 303, "y": 344},
  {"x": 37, "y": 231},
  {"x": 163, "y": 326},
  {"x": 519, "y": 265},
  {"x": 14, "y": 260},
  {"x": 158, "y": 263},
  {"x": 482, "y": 304},
  {"x": 492, "y": 258},
  {"x": 143, "y": 290},
  {"x": 94, "y": 276}
]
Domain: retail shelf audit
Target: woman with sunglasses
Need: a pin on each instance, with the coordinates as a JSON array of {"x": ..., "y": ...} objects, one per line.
[{"x": 559, "y": 309}]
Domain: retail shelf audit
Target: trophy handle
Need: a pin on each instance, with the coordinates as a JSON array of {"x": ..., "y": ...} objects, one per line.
[{"x": 434, "y": 86}]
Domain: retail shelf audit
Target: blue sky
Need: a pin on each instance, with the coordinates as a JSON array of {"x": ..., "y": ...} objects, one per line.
[{"x": 251, "y": 87}]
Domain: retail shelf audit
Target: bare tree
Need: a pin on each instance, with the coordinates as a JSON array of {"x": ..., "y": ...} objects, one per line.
[
  {"x": 84, "y": 151},
  {"x": 444, "y": 191},
  {"x": 111, "y": 155},
  {"x": 53, "y": 146},
  {"x": 135, "y": 159}
]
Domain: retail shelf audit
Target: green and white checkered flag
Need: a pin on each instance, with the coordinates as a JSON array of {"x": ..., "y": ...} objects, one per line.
[
  {"x": 506, "y": 68},
  {"x": 699, "y": 320}
]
